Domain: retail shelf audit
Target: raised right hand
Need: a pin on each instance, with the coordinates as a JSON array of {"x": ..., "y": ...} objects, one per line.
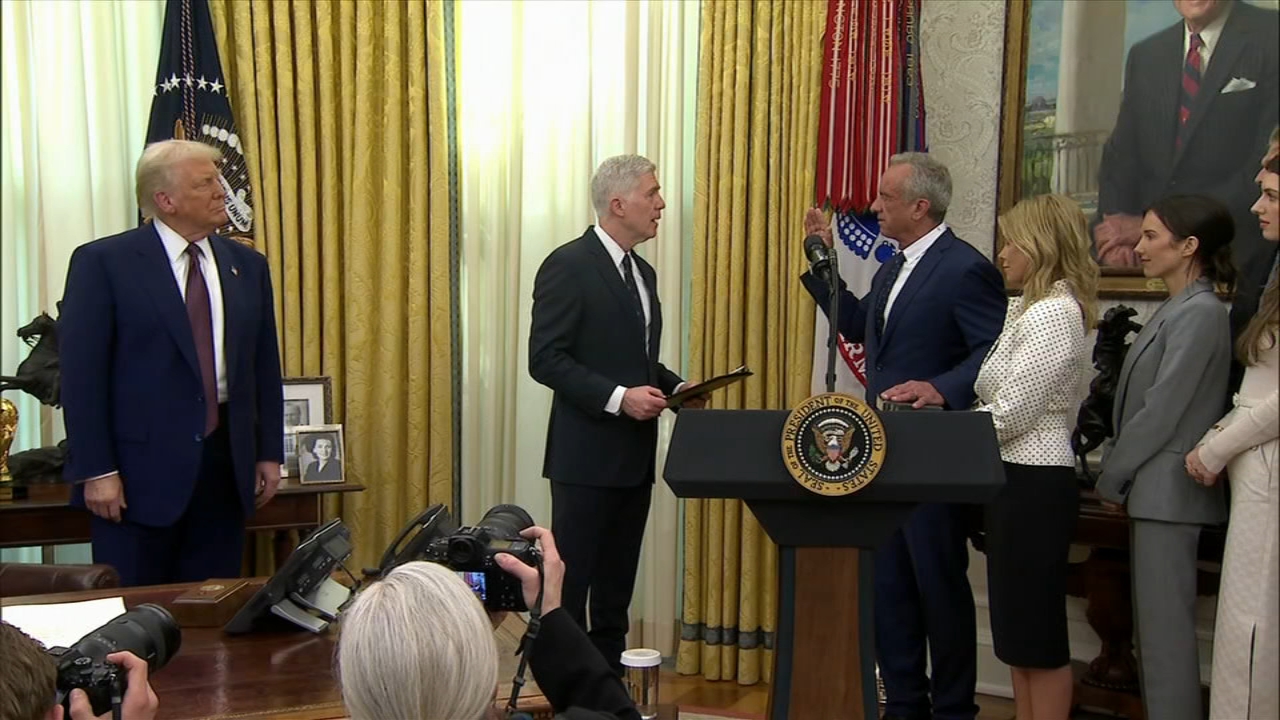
[
  {"x": 815, "y": 223},
  {"x": 105, "y": 497},
  {"x": 643, "y": 403}
]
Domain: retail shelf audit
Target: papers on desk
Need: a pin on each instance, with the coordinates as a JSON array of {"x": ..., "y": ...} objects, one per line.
[{"x": 62, "y": 624}]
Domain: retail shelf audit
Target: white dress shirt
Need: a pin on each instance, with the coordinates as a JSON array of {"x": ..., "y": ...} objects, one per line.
[
  {"x": 614, "y": 406},
  {"x": 1030, "y": 380},
  {"x": 1208, "y": 36},
  {"x": 911, "y": 257},
  {"x": 175, "y": 246}
]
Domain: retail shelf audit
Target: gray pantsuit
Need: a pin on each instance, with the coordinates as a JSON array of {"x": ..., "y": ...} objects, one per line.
[{"x": 1172, "y": 388}]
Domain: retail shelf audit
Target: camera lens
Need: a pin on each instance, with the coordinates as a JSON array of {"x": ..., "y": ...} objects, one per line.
[
  {"x": 506, "y": 521},
  {"x": 148, "y": 631}
]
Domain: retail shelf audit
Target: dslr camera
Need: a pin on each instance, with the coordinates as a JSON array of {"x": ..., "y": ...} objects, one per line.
[
  {"x": 148, "y": 631},
  {"x": 469, "y": 551}
]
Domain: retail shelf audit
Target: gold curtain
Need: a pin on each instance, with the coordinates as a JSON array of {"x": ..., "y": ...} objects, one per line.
[
  {"x": 758, "y": 93},
  {"x": 343, "y": 112}
]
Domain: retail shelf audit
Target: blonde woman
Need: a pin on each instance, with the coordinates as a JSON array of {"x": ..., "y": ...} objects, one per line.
[
  {"x": 418, "y": 644},
  {"x": 1245, "y": 642},
  {"x": 1028, "y": 383}
]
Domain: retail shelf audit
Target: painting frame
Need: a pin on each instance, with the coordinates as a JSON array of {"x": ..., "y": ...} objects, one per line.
[
  {"x": 333, "y": 432},
  {"x": 309, "y": 395},
  {"x": 1115, "y": 283}
]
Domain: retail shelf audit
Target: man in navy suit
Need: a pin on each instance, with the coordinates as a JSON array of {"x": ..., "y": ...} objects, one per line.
[
  {"x": 171, "y": 379},
  {"x": 927, "y": 323}
]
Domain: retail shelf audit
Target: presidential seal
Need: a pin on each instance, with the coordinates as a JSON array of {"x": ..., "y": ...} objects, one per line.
[{"x": 833, "y": 444}]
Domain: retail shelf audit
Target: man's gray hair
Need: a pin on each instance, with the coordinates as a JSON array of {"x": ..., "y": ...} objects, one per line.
[
  {"x": 417, "y": 644},
  {"x": 929, "y": 179},
  {"x": 155, "y": 168},
  {"x": 616, "y": 177}
]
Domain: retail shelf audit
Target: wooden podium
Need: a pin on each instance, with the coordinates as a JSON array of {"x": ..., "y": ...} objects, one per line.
[{"x": 824, "y": 659}]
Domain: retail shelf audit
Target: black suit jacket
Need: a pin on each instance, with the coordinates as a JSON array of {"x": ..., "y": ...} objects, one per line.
[
  {"x": 1226, "y": 133},
  {"x": 584, "y": 341},
  {"x": 573, "y": 674}
]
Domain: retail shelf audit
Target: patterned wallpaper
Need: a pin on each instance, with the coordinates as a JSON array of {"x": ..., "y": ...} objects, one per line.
[{"x": 962, "y": 52}]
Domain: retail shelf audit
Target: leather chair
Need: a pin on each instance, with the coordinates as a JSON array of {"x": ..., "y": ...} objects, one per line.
[{"x": 33, "y": 579}]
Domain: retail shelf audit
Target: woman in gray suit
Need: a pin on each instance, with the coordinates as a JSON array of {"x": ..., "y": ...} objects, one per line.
[{"x": 1171, "y": 391}]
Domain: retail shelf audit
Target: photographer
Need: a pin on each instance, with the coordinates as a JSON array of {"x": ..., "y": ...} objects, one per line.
[
  {"x": 418, "y": 643},
  {"x": 28, "y": 683}
]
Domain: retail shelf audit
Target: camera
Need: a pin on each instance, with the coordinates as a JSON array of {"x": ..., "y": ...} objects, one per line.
[
  {"x": 148, "y": 631},
  {"x": 469, "y": 551}
]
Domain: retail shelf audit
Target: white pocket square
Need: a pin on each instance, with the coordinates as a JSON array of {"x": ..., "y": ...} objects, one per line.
[{"x": 1239, "y": 85}]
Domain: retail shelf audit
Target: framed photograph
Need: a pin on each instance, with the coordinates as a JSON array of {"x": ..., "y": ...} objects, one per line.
[
  {"x": 307, "y": 401},
  {"x": 1095, "y": 107},
  {"x": 321, "y": 454}
]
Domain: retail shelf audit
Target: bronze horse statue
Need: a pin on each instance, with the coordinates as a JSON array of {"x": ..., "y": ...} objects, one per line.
[
  {"x": 39, "y": 374},
  {"x": 1093, "y": 422}
]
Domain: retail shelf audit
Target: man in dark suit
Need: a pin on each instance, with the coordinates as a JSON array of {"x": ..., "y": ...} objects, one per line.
[
  {"x": 171, "y": 379},
  {"x": 1199, "y": 101},
  {"x": 931, "y": 315},
  {"x": 594, "y": 340}
]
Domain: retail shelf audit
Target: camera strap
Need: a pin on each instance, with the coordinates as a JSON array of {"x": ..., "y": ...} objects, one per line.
[{"x": 525, "y": 649}]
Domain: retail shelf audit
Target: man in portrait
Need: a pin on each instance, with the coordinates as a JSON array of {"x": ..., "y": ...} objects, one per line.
[{"x": 1199, "y": 101}]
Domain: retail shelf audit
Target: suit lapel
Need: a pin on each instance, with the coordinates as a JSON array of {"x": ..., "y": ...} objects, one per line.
[
  {"x": 157, "y": 278},
  {"x": 1167, "y": 79},
  {"x": 1139, "y": 346},
  {"x": 1231, "y": 43},
  {"x": 229, "y": 281},
  {"x": 612, "y": 278},
  {"x": 655, "y": 314},
  {"x": 916, "y": 280}
]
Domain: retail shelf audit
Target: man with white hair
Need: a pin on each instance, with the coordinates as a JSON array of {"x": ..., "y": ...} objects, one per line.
[
  {"x": 594, "y": 340},
  {"x": 171, "y": 379}
]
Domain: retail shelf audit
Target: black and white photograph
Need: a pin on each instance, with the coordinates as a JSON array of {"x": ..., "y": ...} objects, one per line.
[
  {"x": 320, "y": 453},
  {"x": 307, "y": 401}
]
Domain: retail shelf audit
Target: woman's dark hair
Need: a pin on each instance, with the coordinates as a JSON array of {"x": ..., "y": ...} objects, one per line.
[
  {"x": 1210, "y": 222},
  {"x": 310, "y": 444}
]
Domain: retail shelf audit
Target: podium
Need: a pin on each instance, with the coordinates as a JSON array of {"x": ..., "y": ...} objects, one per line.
[{"x": 824, "y": 654}]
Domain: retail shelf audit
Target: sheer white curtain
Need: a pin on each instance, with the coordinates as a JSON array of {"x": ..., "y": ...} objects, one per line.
[
  {"x": 76, "y": 95},
  {"x": 546, "y": 90}
]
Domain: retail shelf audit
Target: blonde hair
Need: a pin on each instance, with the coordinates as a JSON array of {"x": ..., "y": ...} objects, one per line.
[
  {"x": 417, "y": 644},
  {"x": 155, "y": 168},
  {"x": 1052, "y": 232}
]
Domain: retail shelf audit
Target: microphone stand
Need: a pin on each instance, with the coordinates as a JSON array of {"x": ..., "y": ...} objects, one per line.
[{"x": 833, "y": 319}]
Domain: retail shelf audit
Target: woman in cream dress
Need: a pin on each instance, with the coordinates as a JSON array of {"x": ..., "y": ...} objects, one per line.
[{"x": 1246, "y": 639}]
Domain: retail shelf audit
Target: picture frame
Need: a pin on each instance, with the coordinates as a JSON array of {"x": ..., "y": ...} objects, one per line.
[
  {"x": 1064, "y": 66},
  {"x": 307, "y": 401},
  {"x": 322, "y": 454}
]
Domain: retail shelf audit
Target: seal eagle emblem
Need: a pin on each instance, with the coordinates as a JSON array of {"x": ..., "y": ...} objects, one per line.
[{"x": 833, "y": 444}]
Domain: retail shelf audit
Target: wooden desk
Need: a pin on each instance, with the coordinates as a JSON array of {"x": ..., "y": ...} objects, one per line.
[
  {"x": 45, "y": 517},
  {"x": 270, "y": 674}
]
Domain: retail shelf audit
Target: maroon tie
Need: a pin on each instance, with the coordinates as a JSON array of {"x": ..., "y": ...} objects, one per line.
[
  {"x": 1190, "y": 84},
  {"x": 201, "y": 317}
]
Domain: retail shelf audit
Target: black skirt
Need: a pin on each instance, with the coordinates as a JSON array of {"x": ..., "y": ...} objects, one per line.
[{"x": 1028, "y": 533}]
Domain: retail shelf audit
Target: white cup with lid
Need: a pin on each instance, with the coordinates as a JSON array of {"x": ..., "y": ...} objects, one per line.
[{"x": 641, "y": 667}]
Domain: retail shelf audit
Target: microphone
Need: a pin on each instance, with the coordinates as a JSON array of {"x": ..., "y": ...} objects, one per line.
[{"x": 819, "y": 256}]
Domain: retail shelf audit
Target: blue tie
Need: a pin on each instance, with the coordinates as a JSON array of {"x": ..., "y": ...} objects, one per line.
[{"x": 882, "y": 298}]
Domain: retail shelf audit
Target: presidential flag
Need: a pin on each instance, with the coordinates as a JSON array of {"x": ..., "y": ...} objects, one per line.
[
  {"x": 191, "y": 103},
  {"x": 872, "y": 107}
]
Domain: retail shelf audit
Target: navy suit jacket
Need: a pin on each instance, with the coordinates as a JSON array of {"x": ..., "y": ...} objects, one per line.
[
  {"x": 941, "y": 326},
  {"x": 131, "y": 389}
]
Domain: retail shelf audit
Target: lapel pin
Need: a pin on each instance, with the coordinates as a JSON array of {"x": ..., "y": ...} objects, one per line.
[{"x": 235, "y": 271}]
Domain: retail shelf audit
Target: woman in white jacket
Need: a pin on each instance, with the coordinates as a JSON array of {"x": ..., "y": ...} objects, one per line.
[
  {"x": 1029, "y": 384},
  {"x": 1246, "y": 639}
]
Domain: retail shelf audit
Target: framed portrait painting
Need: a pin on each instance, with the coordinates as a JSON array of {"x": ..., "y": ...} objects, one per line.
[
  {"x": 307, "y": 401},
  {"x": 1120, "y": 103}
]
